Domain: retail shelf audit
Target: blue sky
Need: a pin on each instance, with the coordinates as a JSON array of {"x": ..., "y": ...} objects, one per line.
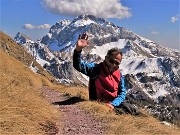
[{"x": 157, "y": 20}]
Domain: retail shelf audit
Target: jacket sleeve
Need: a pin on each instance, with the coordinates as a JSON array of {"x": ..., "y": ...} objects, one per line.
[
  {"x": 89, "y": 69},
  {"x": 122, "y": 95}
]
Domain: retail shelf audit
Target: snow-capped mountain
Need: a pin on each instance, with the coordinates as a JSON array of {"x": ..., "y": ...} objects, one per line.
[
  {"x": 52, "y": 38},
  {"x": 152, "y": 71},
  {"x": 39, "y": 51},
  {"x": 22, "y": 38}
]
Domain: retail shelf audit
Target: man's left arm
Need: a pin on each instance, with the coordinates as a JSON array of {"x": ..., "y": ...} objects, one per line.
[{"x": 122, "y": 95}]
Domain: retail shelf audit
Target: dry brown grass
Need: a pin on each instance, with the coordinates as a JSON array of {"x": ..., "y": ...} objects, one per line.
[
  {"x": 129, "y": 125},
  {"x": 8, "y": 45},
  {"x": 22, "y": 108},
  {"x": 73, "y": 91}
]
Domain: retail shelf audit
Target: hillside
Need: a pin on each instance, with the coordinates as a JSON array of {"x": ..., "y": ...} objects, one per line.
[
  {"x": 8, "y": 45},
  {"x": 23, "y": 110}
]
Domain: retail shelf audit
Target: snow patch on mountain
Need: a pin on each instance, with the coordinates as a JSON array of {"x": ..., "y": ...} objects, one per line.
[
  {"x": 80, "y": 23},
  {"x": 102, "y": 50}
]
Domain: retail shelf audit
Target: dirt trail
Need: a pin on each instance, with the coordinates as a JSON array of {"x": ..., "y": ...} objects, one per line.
[{"x": 73, "y": 119}]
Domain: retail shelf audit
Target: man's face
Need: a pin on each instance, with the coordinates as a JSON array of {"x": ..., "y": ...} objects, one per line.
[{"x": 113, "y": 62}]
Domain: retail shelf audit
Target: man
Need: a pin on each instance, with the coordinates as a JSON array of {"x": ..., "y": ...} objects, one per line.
[{"x": 106, "y": 83}]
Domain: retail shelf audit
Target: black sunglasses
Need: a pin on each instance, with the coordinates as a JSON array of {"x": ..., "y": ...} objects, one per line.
[{"x": 112, "y": 61}]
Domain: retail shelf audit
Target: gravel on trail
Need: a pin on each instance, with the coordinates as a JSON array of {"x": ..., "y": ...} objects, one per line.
[{"x": 73, "y": 121}]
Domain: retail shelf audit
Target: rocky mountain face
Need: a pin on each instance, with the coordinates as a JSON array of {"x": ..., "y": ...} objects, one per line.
[
  {"x": 22, "y": 38},
  {"x": 152, "y": 71}
]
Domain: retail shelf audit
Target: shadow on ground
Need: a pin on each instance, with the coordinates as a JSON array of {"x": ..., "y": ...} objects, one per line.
[{"x": 69, "y": 101}]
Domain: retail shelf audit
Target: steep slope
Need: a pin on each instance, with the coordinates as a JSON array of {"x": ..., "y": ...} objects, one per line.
[
  {"x": 22, "y": 110},
  {"x": 8, "y": 45}
]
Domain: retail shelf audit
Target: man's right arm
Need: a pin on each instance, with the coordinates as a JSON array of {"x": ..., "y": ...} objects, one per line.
[{"x": 89, "y": 69}]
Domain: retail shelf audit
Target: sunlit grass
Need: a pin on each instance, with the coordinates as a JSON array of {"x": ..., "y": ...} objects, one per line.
[
  {"x": 22, "y": 108},
  {"x": 128, "y": 124}
]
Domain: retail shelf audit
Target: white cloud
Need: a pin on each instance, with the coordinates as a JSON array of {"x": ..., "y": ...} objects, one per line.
[
  {"x": 98, "y": 8},
  {"x": 174, "y": 19},
  {"x": 30, "y": 26},
  {"x": 155, "y": 33}
]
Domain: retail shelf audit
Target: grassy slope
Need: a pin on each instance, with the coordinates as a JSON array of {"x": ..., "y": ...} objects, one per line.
[
  {"x": 127, "y": 124},
  {"x": 8, "y": 45},
  {"x": 22, "y": 109}
]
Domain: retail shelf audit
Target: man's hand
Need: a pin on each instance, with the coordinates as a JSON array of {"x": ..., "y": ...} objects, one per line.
[
  {"x": 82, "y": 42},
  {"x": 110, "y": 106}
]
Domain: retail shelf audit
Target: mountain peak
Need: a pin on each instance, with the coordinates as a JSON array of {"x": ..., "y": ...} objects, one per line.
[
  {"x": 63, "y": 22},
  {"x": 86, "y": 19},
  {"x": 22, "y": 38},
  {"x": 59, "y": 26}
]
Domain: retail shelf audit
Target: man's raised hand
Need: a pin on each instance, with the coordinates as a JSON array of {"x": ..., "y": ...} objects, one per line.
[{"x": 82, "y": 42}]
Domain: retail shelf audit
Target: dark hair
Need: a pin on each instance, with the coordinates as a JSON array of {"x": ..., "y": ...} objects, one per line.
[{"x": 113, "y": 51}]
